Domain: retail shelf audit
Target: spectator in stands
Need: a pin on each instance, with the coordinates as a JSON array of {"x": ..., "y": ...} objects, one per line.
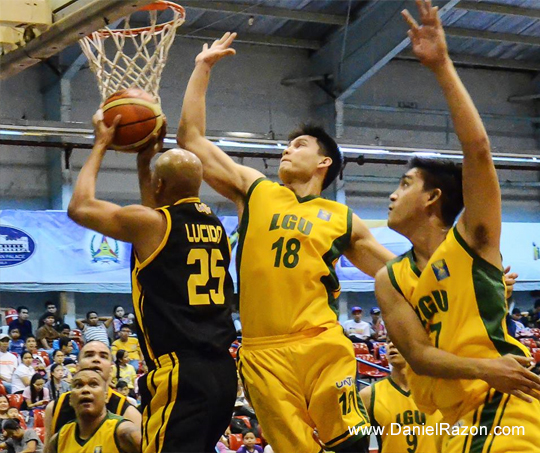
[
  {"x": 59, "y": 359},
  {"x": 51, "y": 308},
  {"x": 534, "y": 317},
  {"x": 92, "y": 329},
  {"x": 8, "y": 362},
  {"x": 56, "y": 384},
  {"x": 36, "y": 394},
  {"x": 123, "y": 388},
  {"x": 223, "y": 444},
  {"x": 20, "y": 440},
  {"x": 46, "y": 334},
  {"x": 4, "y": 407},
  {"x": 65, "y": 345},
  {"x": 13, "y": 412},
  {"x": 378, "y": 329},
  {"x": 518, "y": 317},
  {"x": 65, "y": 332},
  {"x": 38, "y": 362},
  {"x": 23, "y": 373},
  {"x": 250, "y": 440},
  {"x": 119, "y": 319},
  {"x": 16, "y": 345},
  {"x": 129, "y": 344},
  {"x": 124, "y": 370},
  {"x": 22, "y": 323},
  {"x": 357, "y": 330}
]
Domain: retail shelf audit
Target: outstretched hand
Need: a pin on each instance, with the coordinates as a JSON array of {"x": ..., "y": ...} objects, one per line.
[
  {"x": 510, "y": 280},
  {"x": 103, "y": 134},
  {"x": 219, "y": 49},
  {"x": 508, "y": 374},
  {"x": 428, "y": 39}
]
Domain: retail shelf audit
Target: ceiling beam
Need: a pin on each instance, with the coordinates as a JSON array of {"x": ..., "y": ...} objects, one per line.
[
  {"x": 481, "y": 62},
  {"x": 94, "y": 15},
  {"x": 357, "y": 52},
  {"x": 262, "y": 40},
  {"x": 496, "y": 8},
  {"x": 525, "y": 98},
  {"x": 512, "y": 38},
  {"x": 266, "y": 11}
]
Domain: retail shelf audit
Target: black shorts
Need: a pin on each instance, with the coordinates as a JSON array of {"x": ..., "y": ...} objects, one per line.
[{"x": 187, "y": 403}]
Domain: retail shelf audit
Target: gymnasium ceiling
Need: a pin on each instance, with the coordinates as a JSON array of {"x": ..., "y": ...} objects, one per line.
[{"x": 348, "y": 40}]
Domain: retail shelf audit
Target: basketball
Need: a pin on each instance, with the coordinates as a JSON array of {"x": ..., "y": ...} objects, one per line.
[{"x": 141, "y": 118}]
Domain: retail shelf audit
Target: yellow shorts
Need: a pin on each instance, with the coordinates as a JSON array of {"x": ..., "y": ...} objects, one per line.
[
  {"x": 500, "y": 414},
  {"x": 300, "y": 382}
]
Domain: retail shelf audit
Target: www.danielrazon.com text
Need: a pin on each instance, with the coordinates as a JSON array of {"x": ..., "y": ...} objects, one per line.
[{"x": 436, "y": 430}]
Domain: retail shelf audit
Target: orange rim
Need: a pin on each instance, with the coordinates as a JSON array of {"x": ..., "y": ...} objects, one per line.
[{"x": 160, "y": 5}]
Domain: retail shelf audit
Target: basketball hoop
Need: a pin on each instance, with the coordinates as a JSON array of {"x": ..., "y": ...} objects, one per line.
[{"x": 137, "y": 55}]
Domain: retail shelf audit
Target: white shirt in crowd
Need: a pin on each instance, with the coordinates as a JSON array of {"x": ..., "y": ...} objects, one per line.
[
  {"x": 8, "y": 364},
  {"x": 360, "y": 329},
  {"x": 96, "y": 333},
  {"x": 21, "y": 371}
]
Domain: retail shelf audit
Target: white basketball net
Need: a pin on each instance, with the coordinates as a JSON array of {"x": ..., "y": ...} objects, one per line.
[{"x": 148, "y": 49}]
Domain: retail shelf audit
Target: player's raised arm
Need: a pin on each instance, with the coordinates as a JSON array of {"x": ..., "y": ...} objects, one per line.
[
  {"x": 364, "y": 251},
  {"x": 220, "y": 171},
  {"x": 130, "y": 223},
  {"x": 480, "y": 223},
  {"x": 506, "y": 374}
]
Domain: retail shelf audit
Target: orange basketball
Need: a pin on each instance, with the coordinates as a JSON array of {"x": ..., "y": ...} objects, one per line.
[{"x": 141, "y": 118}]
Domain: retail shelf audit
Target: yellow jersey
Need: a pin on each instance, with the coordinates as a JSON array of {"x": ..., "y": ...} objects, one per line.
[
  {"x": 460, "y": 300},
  {"x": 103, "y": 440},
  {"x": 394, "y": 410},
  {"x": 286, "y": 255}
]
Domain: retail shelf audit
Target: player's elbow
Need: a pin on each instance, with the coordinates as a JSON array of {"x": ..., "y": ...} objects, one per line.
[
  {"x": 479, "y": 148},
  {"x": 419, "y": 364},
  {"x": 77, "y": 211},
  {"x": 186, "y": 136}
]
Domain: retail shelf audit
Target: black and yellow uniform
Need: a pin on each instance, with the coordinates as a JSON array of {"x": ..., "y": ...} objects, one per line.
[
  {"x": 460, "y": 300},
  {"x": 297, "y": 365},
  {"x": 394, "y": 410},
  {"x": 182, "y": 296},
  {"x": 63, "y": 413},
  {"x": 103, "y": 440}
]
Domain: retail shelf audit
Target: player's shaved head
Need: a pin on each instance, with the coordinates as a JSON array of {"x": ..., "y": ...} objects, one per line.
[{"x": 180, "y": 173}]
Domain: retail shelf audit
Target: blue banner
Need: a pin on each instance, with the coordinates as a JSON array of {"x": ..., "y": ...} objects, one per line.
[{"x": 46, "y": 251}]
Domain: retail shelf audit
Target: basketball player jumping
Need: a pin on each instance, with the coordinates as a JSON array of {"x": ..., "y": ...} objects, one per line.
[
  {"x": 297, "y": 366},
  {"x": 450, "y": 284},
  {"x": 182, "y": 294}
]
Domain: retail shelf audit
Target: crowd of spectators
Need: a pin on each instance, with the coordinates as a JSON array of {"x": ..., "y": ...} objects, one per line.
[{"x": 36, "y": 369}]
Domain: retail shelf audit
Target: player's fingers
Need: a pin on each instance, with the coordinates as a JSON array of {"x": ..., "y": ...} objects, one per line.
[
  {"x": 230, "y": 39},
  {"x": 409, "y": 19},
  {"x": 224, "y": 37},
  {"x": 205, "y": 46},
  {"x": 421, "y": 5},
  {"x": 519, "y": 394},
  {"x": 522, "y": 360},
  {"x": 116, "y": 121}
]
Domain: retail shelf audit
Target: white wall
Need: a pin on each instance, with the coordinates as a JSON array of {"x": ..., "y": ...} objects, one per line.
[{"x": 246, "y": 95}]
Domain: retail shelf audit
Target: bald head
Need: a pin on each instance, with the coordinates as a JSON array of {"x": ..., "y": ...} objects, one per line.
[{"x": 179, "y": 173}]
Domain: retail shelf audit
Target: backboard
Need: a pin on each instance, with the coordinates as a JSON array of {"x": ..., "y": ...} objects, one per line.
[{"x": 49, "y": 26}]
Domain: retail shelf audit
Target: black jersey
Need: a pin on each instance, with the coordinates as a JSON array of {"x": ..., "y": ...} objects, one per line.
[{"x": 183, "y": 293}]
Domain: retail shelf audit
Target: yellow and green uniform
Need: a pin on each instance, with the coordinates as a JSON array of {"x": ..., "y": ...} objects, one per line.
[
  {"x": 63, "y": 412},
  {"x": 460, "y": 300},
  {"x": 297, "y": 366},
  {"x": 103, "y": 440},
  {"x": 395, "y": 410}
]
